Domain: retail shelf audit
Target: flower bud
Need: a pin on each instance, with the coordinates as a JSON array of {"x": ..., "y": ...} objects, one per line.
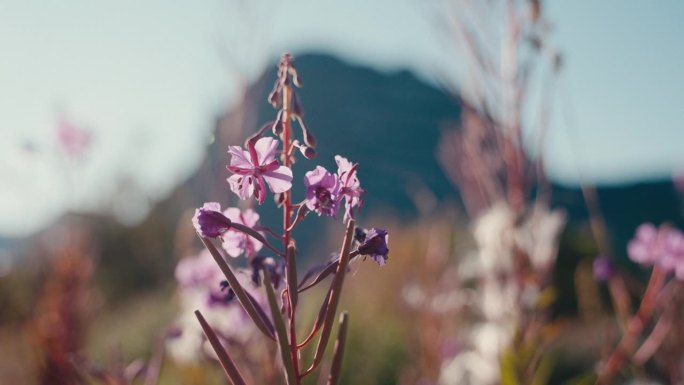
[
  {"x": 308, "y": 152},
  {"x": 274, "y": 98},
  {"x": 279, "y": 199},
  {"x": 604, "y": 268},
  {"x": 209, "y": 222},
  {"x": 309, "y": 139},
  {"x": 277, "y": 127}
]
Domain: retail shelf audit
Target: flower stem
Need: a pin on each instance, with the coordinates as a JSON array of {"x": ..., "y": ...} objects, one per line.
[{"x": 291, "y": 265}]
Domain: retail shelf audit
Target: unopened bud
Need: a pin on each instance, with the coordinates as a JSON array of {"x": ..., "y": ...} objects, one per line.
[
  {"x": 296, "y": 106},
  {"x": 308, "y": 152},
  {"x": 277, "y": 127},
  {"x": 279, "y": 199},
  {"x": 309, "y": 139},
  {"x": 295, "y": 78},
  {"x": 274, "y": 98},
  {"x": 257, "y": 135}
]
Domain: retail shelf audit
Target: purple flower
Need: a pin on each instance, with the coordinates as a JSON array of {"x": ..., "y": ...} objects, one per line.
[
  {"x": 642, "y": 248},
  {"x": 350, "y": 186},
  {"x": 373, "y": 243},
  {"x": 604, "y": 268},
  {"x": 256, "y": 165},
  {"x": 322, "y": 189},
  {"x": 209, "y": 222},
  {"x": 236, "y": 242},
  {"x": 672, "y": 252},
  {"x": 275, "y": 267},
  {"x": 201, "y": 274},
  {"x": 664, "y": 246}
]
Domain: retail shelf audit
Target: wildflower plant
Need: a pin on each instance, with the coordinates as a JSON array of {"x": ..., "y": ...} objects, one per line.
[
  {"x": 269, "y": 298},
  {"x": 649, "y": 332}
]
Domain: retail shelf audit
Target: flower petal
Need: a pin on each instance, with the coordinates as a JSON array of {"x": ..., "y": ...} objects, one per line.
[
  {"x": 241, "y": 185},
  {"x": 266, "y": 149},
  {"x": 239, "y": 158},
  {"x": 279, "y": 180}
]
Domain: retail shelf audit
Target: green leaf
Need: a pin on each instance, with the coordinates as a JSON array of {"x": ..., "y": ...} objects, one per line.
[
  {"x": 509, "y": 373},
  {"x": 281, "y": 332}
]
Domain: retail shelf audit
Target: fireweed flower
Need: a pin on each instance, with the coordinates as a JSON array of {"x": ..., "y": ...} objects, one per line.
[
  {"x": 209, "y": 222},
  {"x": 236, "y": 242},
  {"x": 256, "y": 165},
  {"x": 275, "y": 268},
  {"x": 202, "y": 275},
  {"x": 322, "y": 189},
  {"x": 672, "y": 252},
  {"x": 373, "y": 243},
  {"x": 664, "y": 246},
  {"x": 202, "y": 286},
  {"x": 643, "y": 248},
  {"x": 350, "y": 187},
  {"x": 73, "y": 140}
]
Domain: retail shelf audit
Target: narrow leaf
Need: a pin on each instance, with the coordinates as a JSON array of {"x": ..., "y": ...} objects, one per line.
[
  {"x": 319, "y": 319},
  {"x": 334, "y": 296},
  {"x": 249, "y": 304},
  {"x": 254, "y": 234},
  {"x": 228, "y": 365},
  {"x": 338, "y": 355},
  {"x": 281, "y": 332},
  {"x": 323, "y": 272}
]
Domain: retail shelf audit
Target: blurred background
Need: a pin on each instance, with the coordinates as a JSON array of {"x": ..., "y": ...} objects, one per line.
[{"x": 115, "y": 119}]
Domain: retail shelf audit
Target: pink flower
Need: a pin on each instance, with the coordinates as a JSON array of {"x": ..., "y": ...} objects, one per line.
[
  {"x": 322, "y": 189},
  {"x": 256, "y": 165},
  {"x": 672, "y": 257},
  {"x": 663, "y": 246},
  {"x": 350, "y": 186},
  {"x": 236, "y": 242},
  {"x": 642, "y": 249},
  {"x": 201, "y": 274},
  {"x": 74, "y": 140}
]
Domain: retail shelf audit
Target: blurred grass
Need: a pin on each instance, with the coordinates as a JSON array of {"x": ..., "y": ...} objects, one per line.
[{"x": 389, "y": 342}]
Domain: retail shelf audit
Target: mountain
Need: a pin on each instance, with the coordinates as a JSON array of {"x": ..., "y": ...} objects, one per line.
[{"x": 387, "y": 122}]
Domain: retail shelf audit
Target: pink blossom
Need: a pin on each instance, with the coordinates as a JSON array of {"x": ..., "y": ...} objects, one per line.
[
  {"x": 236, "y": 242},
  {"x": 642, "y": 249},
  {"x": 663, "y": 246},
  {"x": 73, "y": 139},
  {"x": 256, "y": 165},
  {"x": 322, "y": 189},
  {"x": 201, "y": 274},
  {"x": 672, "y": 257},
  {"x": 350, "y": 186}
]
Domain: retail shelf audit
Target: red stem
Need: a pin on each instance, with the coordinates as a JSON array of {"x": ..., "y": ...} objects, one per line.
[{"x": 287, "y": 215}]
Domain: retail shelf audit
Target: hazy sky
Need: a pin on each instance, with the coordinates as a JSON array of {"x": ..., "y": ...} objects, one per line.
[{"x": 149, "y": 76}]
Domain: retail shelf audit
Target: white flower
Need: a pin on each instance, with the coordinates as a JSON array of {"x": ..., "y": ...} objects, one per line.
[
  {"x": 538, "y": 236},
  {"x": 494, "y": 234}
]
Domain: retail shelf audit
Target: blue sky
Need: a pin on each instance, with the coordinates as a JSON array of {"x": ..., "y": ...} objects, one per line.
[{"x": 148, "y": 76}]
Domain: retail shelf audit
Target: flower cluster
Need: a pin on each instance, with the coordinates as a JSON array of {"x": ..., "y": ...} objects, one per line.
[
  {"x": 662, "y": 246},
  {"x": 325, "y": 191},
  {"x": 211, "y": 279},
  {"x": 203, "y": 286}
]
